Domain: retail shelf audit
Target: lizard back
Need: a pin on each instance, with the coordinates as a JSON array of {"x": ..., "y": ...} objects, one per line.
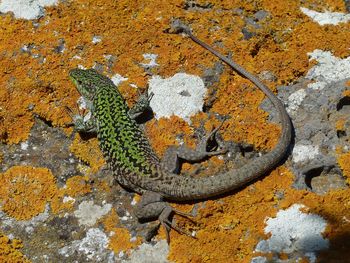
[{"x": 124, "y": 146}]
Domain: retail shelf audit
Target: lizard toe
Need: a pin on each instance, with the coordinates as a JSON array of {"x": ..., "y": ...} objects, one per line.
[{"x": 170, "y": 224}]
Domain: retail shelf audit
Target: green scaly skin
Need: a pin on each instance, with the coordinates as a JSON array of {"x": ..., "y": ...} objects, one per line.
[
  {"x": 125, "y": 148},
  {"x": 136, "y": 166}
]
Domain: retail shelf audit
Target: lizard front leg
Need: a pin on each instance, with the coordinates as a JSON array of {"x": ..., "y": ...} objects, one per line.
[{"x": 83, "y": 123}]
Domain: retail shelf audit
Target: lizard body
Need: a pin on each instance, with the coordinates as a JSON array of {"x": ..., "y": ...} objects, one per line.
[{"x": 134, "y": 163}]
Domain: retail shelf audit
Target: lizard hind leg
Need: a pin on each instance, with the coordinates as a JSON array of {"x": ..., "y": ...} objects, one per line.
[{"x": 153, "y": 206}]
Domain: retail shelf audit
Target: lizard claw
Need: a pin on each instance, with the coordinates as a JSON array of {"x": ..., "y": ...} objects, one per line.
[
  {"x": 168, "y": 224},
  {"x": 142, "y": 104},
  {"x": 202, "y": 146}
]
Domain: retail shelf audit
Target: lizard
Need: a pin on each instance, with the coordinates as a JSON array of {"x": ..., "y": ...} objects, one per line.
[{"x": 134, "y": 163}]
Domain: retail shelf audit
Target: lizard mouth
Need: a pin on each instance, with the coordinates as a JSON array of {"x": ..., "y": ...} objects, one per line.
[{"x": 77, "y": 83}]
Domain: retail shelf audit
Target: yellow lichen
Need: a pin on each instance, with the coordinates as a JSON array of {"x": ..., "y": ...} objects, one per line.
[
  {"x": 26, "y": 190},
  {"x": 340, "y": 124},
  {"x": 9, "y": 250},
  {"x": 162, "y": 133},
  {"x": 279, "y": 46},
  {"x": 120, "y": 239},
  {"x": 88, "y": 151},
  {"x": 77, "y": 185},
  {"x": 344, "y": 162}
]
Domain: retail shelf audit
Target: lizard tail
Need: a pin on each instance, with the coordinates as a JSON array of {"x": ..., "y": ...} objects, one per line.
[{"x": 194, "y": 188}]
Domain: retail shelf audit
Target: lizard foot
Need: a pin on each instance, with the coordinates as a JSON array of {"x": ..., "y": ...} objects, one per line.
[
  {"x": 201, "y": 147},
  {"x": 142, "y": 104},
  {"x": 153, "y": 206},
  {"x": 169, "y": 224},
  {"x": 81, "y": 122}
]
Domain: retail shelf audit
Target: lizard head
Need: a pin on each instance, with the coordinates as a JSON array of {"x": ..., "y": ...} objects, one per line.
[{"x": 88, "y": 81}]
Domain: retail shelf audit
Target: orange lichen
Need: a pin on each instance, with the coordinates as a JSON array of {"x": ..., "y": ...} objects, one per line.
[
  {"x": 77, "y": 185},
  {"x": 244, "y": 125},
  {"x": 120, "y": 239},
  {"x": 58, "y": 205},
  {"x": 88, "y": 151},
  {"x": 40, "y": 86},
  {"x": 162, "y": 133},
  {"x": 15, "y": 119},
  {"x": 26, "y": 190},
  {"x": 344, "y": 162},
  {"x": 340, "y": 124},
  {"x": 137, "y": 198},
  {"x": 9, "y": 250},
  {"x": 229, "y": 225},
  {"x": 335, "y": 208},
  {"x": 274, "y": 48},
  {"x": 103, "y": 186},
  {"x": 111, "y": 220},
  {"x": 233, "y": 225}
]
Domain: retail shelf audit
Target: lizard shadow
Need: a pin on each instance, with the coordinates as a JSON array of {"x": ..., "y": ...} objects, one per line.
[
  {"x": 339, "y": 238},
  {"x": 85, "y": 136},
  {"x": 145, "y": 116}
]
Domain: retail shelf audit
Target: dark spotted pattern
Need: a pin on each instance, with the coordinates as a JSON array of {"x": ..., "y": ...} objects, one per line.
[{"x": 123, "y": 144}]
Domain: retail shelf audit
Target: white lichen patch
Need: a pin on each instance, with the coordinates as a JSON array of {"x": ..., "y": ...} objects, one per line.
[
  {"x": 329, "y": 69},
  {"x": 27, "y": 9},
  {"x": 181, "y": 95},
  {"x": 94, "y": 246},
  {"x": 294, "y": 100},
  {"x": 88, "y": 213},
  {"x": 303, "y": 152},
  {"x": 326, "y": 18},
  {"x": 29, "y": 226},
  {"x": 96, "y": 39},
  {"x": 68, "y": 199},
  {"x": 294, "y": 232},
  {"x": 152, "y": 60},
  {"x": 117, "y": 79},
  {"x": 24, "y": 146},
  {"x": 259, "y": 259},
  {"x": 150, "y": 253}
]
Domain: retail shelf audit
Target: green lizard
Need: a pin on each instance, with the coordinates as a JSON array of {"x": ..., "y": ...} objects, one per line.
[{"x": 135, "y": 165}]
